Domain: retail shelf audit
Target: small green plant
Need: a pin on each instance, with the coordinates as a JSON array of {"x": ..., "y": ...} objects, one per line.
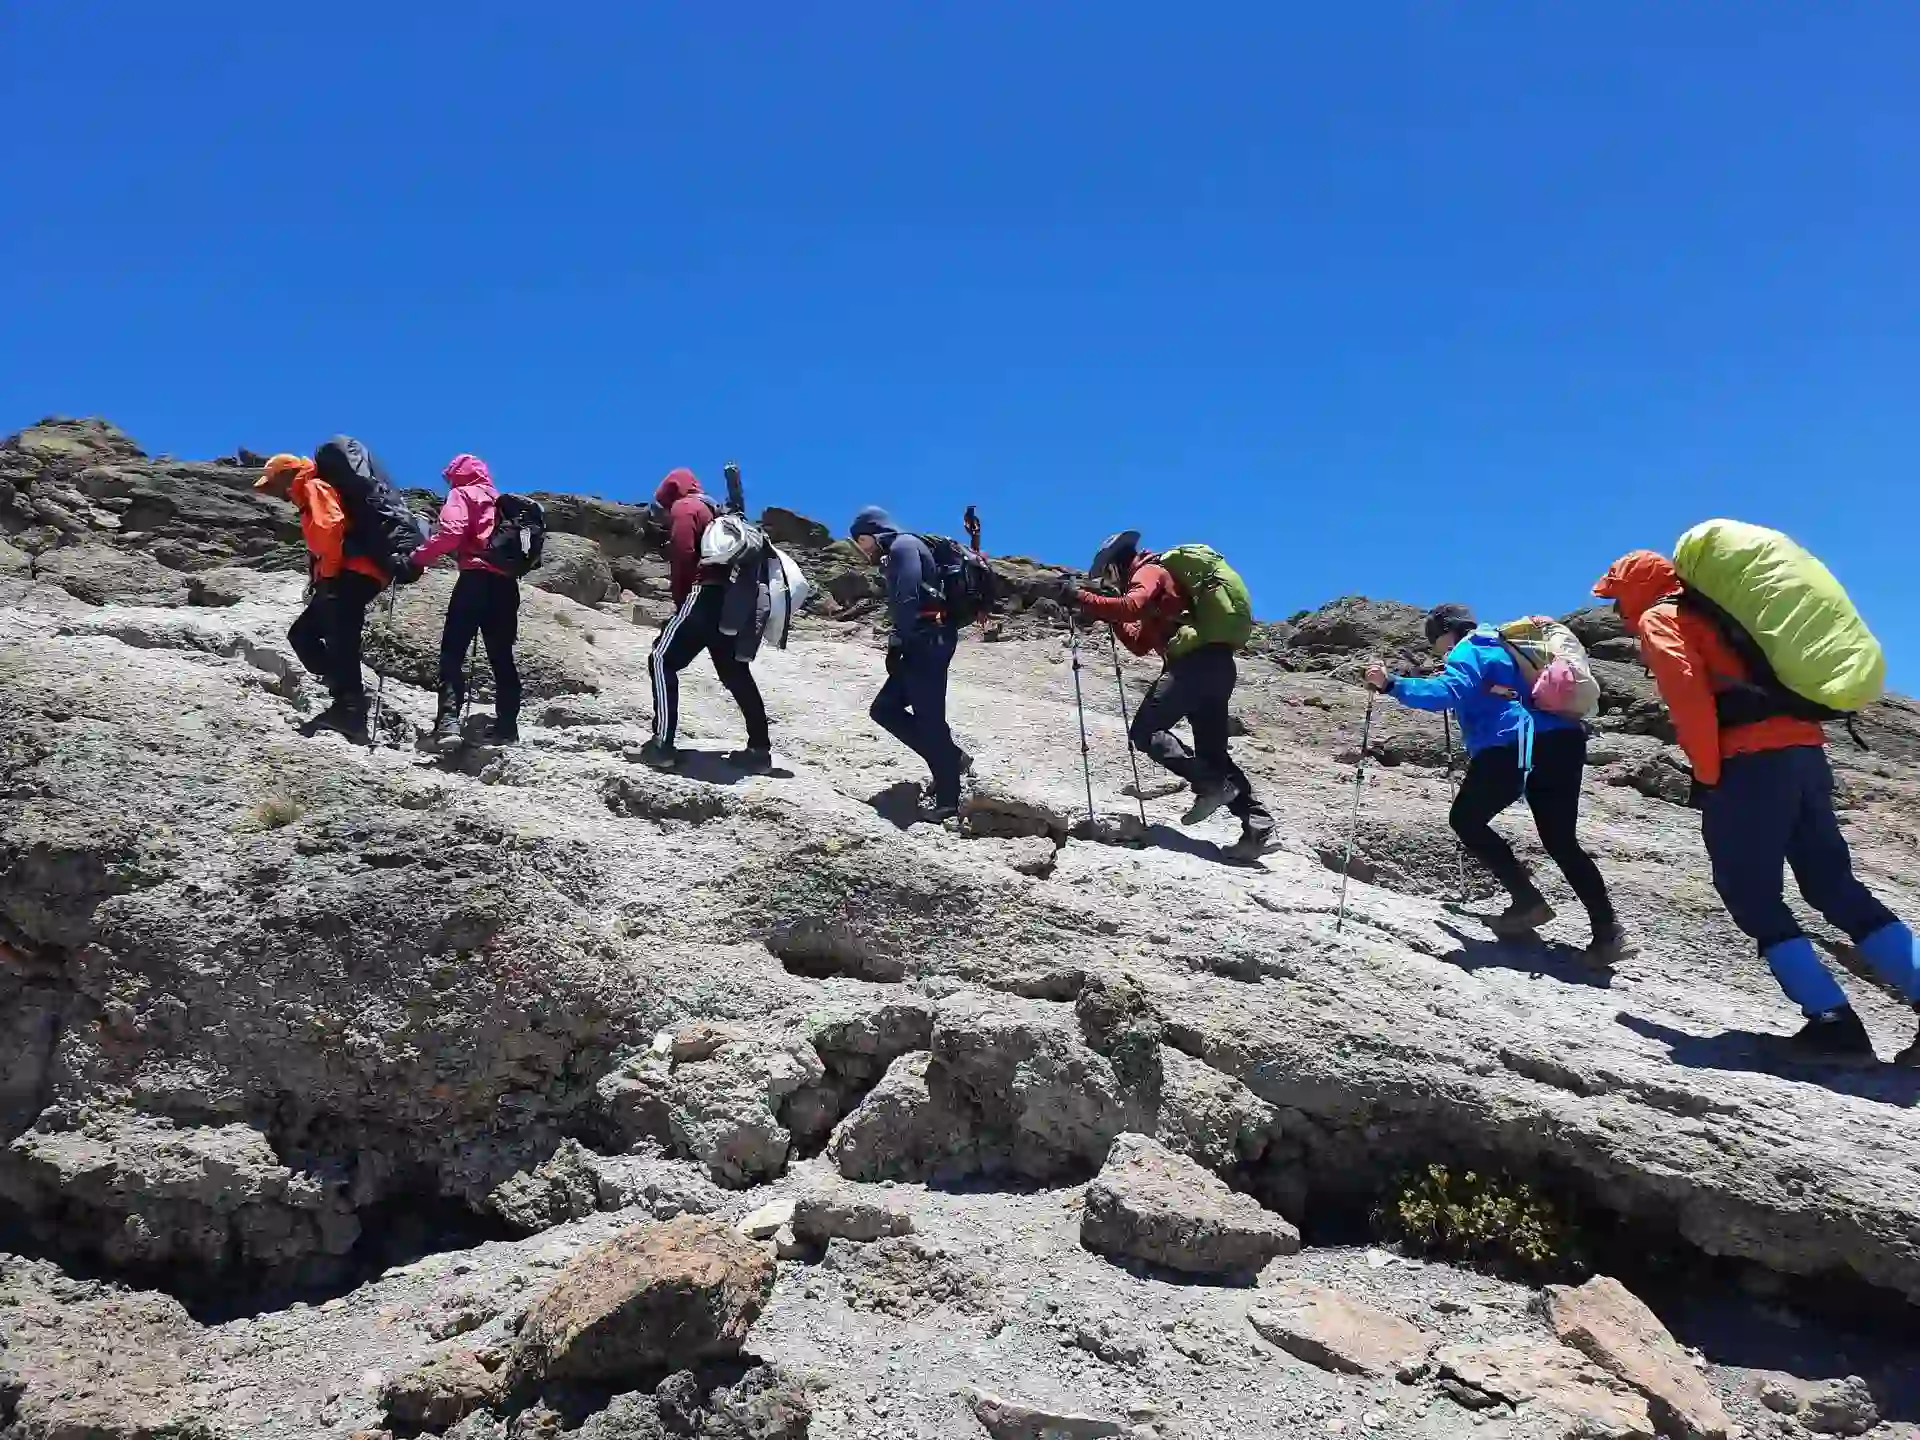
[
  {"x": 274, "y": 812},
  {"x": 1495, "y": 1223}
]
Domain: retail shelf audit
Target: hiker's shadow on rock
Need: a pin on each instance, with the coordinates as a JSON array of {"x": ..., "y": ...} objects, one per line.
[
  {"x": 1752, "y": 1053},
  {"x": 898, "y": 804},
  {"x": 712, "y": 767},
  {"x": 1165, "y": 837},
  {"x": 1530, "y": 957}
]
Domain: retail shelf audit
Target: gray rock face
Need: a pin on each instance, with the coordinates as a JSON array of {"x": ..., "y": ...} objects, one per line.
[
  {"x": 101, "y": 575},
  {"x": 1153, "y": 1205},
  {"x": 407, "y": 976}
]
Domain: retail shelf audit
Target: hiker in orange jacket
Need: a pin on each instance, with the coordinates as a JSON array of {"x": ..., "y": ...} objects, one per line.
[
  {"x": 326, "y": 636},
  {"x": 1765, "y": 791}
]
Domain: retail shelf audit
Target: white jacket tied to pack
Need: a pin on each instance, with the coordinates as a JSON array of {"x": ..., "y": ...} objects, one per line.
[
  {"x": 1788, "y": 604},
  {"x": 1554, "y": 665}
]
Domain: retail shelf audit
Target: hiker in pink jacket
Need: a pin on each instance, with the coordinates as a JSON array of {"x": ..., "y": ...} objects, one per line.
[{"x": 486, "y": 602}]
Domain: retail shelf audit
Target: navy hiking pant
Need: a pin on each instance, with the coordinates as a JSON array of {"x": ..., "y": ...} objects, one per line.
[{"x": 912, "y": 705}]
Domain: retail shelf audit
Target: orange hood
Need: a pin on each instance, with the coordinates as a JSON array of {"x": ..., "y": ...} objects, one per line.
[{"x": 1638, "y": 580}]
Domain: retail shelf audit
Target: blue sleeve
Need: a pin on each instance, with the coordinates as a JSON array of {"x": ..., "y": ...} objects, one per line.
[
  {"x": 1446, "y": 691},
  {"x": 906, "y": 573}
]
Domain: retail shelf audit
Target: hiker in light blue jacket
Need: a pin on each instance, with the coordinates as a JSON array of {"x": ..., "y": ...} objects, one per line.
[{"x": 1512, "y": 749}]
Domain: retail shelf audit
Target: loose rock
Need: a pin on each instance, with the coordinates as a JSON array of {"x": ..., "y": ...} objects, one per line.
[
  {"x": 1153, "y": 1205},
  {"x": 1336, "y": 1332},
  {"x": 654, "y": 1296},
  {"x": 1611, "y": 1326}
]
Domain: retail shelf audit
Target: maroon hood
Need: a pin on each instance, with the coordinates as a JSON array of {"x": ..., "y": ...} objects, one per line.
[{"x": 676, "y": 487}]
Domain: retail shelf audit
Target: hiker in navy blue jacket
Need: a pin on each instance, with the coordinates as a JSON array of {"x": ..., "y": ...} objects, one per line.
[
  {"x": 912, "y": 705},
  {"x": 1512, "y": 749}
]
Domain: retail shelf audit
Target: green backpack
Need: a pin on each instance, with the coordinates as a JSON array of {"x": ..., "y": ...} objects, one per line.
[
  {"x": 1219, "y": 609},
  {"x": 1787, "y": 617}
]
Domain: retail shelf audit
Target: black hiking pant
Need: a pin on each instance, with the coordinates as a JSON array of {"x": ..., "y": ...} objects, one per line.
[
  {"x": 326, "y": 636},
  {"x": 912, "y": 705},
  {"x": 1196, "y": 688},
  {"x": 694, "y": 627},
  {"x": 1494, "y": 781},
  {"x": 488, "y": 605}
]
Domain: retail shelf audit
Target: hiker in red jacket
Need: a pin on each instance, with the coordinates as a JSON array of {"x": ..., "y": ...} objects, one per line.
[
  {"x": 1195, "y": 688},
  {"x": 680, "y": 515}
]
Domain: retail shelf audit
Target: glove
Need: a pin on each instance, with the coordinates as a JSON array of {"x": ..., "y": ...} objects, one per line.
[
  {"x": 895, "y": 656},
  {"x": 1069, "y": 593},
  {"x": 1697, "y": 794},
  {"x": 408, "y": 573}
]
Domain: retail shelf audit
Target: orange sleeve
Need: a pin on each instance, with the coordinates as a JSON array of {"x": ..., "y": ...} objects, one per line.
[
  {"x": 1684, "y": 686},
  {"x": 325, "y": 525}
]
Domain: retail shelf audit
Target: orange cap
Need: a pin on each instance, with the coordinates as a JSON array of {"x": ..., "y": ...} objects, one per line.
[{"x": 280, "y": 467}]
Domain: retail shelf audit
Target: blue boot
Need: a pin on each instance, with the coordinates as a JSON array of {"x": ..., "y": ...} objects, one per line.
[
  {"x": 1807, "y": 982},
  {"x": 1890, "y": 950}
]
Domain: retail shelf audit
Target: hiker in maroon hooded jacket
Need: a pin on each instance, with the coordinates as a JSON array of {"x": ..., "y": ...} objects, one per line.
[
  {"x": 678, "y": 517},
  {"x": 1196, "y": 687}
]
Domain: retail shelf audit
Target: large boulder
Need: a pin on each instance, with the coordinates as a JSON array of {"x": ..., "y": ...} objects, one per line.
[
  {"x": 573, "y": 566},
  {"x": 720, "y": 1105},
  {"x": 654, "y": 1297},
  {"x": 1153, "y": 1205},
  {"x": 554, "y": 653},
  {"x": 143, "y": 1193},
  {"x": 80, "y": 1360},
  {"x": 1356, "y": 627}
]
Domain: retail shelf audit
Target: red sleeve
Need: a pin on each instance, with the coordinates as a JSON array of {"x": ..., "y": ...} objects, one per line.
[
  {"x": 1132, "y": 615},
  {"x": 687, "y": 519},
  {"x": 1684, "y": 686}
]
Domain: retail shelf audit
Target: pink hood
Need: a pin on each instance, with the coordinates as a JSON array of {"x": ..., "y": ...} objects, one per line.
[{"x": 467, "y": 518}]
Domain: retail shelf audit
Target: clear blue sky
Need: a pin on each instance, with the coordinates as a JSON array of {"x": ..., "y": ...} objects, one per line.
[{"x": 1419, "y": 300}]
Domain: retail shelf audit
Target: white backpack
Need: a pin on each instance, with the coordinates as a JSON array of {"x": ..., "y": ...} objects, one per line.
[{"x": 1554, "y": 665}]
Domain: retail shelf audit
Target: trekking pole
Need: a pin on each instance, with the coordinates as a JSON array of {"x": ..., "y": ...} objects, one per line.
[
  {"x": 1126, "y": 728},
  {"x": 1453, "y": 788},
  {"x": 1086, "y": 763},
  {"x": 380, "y": 684},
  {"x": 1353, "y": 830}
]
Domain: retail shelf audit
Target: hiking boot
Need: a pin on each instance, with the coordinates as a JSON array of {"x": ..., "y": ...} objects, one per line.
[
  {"x": 1837, "y": 1035},
  {"x": 660, "y": 757},
  {"x": 1520, "y": 919},
  {"x": 1611, "y": 944},
  {"x": 1256, "y": 838},
  {"x": 755, "y": 759},
  {"x": 504, "y": 730},
  {"x": 1206, "y": 801},
  {"x": 938, "y": 814},
  {"x": 1910, "y": 1057},
  {"x": 446, "y": 733},
  {"x": 348, "y": 720}
]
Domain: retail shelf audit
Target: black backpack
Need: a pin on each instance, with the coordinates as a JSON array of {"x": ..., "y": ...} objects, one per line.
[
  {"x": 519, "y": 535},
  {"x": 380, "y": 526},
  {"x": 970, "y": 586}
]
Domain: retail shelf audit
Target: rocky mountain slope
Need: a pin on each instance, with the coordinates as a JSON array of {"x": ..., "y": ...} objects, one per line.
[{"x": 348, "y": 1090}]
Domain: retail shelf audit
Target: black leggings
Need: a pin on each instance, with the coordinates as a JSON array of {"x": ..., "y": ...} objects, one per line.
[
  {"x": 487, "y": 605},
  {"x": 1553, "y": 794}
]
